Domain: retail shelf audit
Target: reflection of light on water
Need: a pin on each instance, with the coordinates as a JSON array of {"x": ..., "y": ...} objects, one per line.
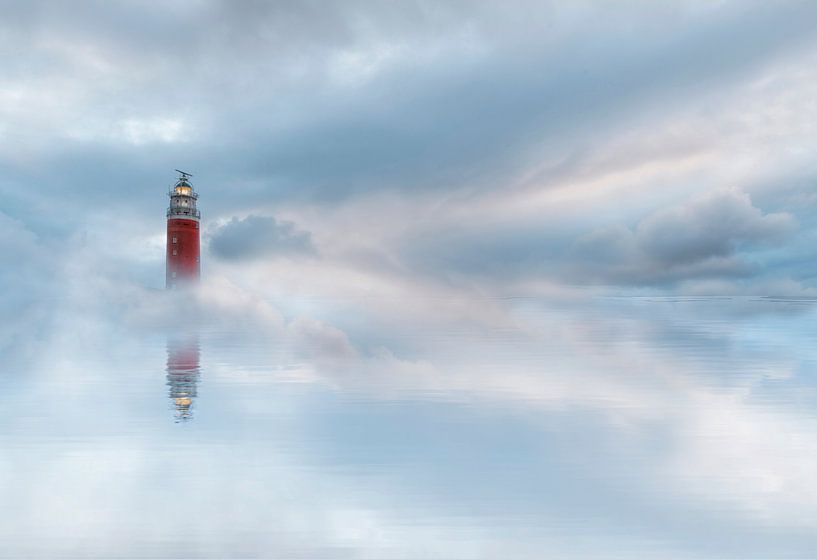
[{"x": 183, "y": 374}]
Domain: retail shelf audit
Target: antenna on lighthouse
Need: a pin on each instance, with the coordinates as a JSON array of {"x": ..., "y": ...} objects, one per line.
[{"x": 183, "y": 174}]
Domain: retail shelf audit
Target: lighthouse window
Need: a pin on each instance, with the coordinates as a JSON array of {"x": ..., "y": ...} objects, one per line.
[
  {"x": 174, "y": 240},
  {"x": 174, "y": 252}
]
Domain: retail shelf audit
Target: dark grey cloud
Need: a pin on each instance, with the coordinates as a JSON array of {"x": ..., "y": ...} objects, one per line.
[
  {"x": 715, "y": 225},
  {"x": 716, "y": 235},
  {"x": 698, "y": 239},
  {"x": 259, "y": 236}
]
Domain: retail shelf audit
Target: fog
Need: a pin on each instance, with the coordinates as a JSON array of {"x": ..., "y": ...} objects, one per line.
[{"x": 530, "y": 279}]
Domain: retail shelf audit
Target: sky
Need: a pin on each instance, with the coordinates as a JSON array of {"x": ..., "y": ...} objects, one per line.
[
  {"x": 519, "y": 148},
  {"x": 421, "y": 223}
]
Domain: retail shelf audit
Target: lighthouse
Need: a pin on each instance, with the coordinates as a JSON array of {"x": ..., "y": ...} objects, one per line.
[{"x": 183, "y": 219}]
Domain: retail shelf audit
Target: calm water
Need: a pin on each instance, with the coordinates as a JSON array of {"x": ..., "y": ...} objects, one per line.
[{"x": 601, "y": 428}]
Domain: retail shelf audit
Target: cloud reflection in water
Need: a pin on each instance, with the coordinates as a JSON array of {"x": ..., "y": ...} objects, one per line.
[{"x": 597, "y": 428}]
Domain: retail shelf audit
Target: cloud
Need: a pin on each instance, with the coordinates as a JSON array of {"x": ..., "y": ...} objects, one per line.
[
  {"x": 461, "y": 94},
  {"x": 701, "y": 238},
  {"x": 476, "y": 122},
  {"x": 714, "y": 225},
  {"x": 27, "y": 268},
  {"x": 259, "y": 236},
  {"x": 714, "y": 235},
  {"x": 466, "y": 113}
]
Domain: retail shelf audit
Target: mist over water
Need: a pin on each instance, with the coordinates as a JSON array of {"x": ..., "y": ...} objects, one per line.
[
  {"x": 601, "y": 427},
  {"x": 520, "y": 279}
]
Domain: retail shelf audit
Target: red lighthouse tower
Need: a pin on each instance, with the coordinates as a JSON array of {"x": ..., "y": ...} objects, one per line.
[{"x": 183, "y": 256}]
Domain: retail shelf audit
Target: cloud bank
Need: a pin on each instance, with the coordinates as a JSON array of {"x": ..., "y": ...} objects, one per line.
[
  {"x": 698, "y": 239},
  {"x": 258, "y": 236}
]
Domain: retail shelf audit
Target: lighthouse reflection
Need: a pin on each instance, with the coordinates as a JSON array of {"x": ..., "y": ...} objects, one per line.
[{"x": 183, "y": 374}]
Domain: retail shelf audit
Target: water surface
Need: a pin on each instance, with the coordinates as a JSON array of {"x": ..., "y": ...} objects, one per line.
[{"x": 602, "y": 428}]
